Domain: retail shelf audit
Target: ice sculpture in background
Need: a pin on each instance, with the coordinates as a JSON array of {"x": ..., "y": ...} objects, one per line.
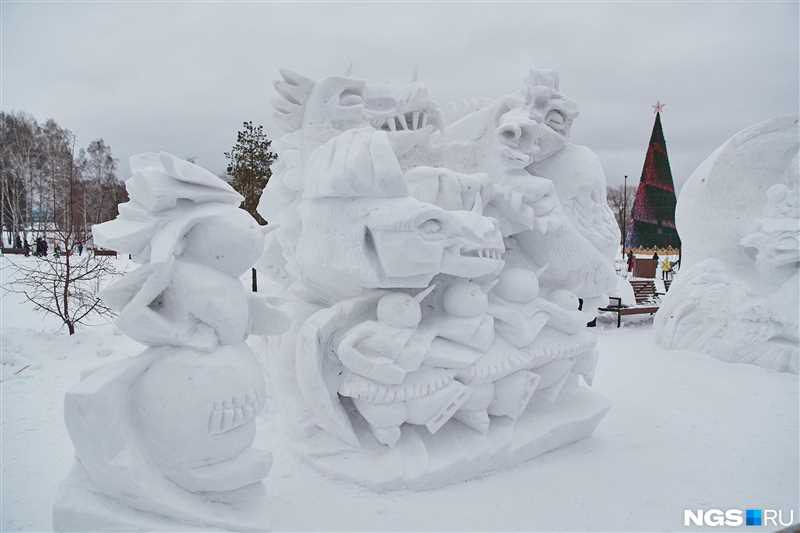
[
  {"x": 164, "y": 438},
  {"x": 736, "y": 295},
  {"x": 434, "y": 275}
]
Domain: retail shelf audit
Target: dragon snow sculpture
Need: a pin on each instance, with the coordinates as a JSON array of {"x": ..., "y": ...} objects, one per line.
[
  {"x": 736, "y": 297},
  {"x": 435, "y": 273}
]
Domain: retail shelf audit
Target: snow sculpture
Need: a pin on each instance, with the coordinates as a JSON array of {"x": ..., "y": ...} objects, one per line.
[
  {"x": 169, "y": 432},
  {"x": 434, "y": 278},
  {"x": 522, "y": 142},
  {"x": 738, "y": 215},
  {"x": 315, "y": 112}
]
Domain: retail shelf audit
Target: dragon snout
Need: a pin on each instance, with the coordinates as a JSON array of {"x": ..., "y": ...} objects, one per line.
[
  {"x": 520, "y": 135},
  {"x": 510, "y": 133}
]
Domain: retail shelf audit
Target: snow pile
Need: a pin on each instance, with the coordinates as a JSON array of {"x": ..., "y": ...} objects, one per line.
[{"x": 738, "y": 215}]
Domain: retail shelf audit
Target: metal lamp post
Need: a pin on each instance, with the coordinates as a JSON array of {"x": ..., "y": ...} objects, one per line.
[{"x": 624, "y": 215}]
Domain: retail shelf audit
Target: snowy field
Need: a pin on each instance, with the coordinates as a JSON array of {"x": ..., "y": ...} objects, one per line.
[{"x": 685, "y": 431}]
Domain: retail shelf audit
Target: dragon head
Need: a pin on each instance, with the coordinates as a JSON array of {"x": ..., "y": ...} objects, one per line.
[
  {"x": 538, "y": 127},
  {"x": 408, "y": 238},
  {"x": 351, "y": 244},
  {"x": 325, "y": 108},
  {"x": 362, "y": 229}
]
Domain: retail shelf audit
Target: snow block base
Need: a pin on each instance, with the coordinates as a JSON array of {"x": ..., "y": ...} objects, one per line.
[
  {"x": 456, "y": 453},
  {"x": 79, "y": 507}
]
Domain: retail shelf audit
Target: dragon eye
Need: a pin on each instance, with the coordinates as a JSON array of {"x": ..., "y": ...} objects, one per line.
[
  {"x": 349, "y": 97},
  {"x": 556, "y": 118},
  {"x": 431, "y": 226}
]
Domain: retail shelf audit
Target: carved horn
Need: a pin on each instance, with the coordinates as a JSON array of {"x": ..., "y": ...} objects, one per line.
[
  {"x": 491, "y": 285},
  {"x": 423, "y": 293},
  {"x": 477, "y": 207},
  {"x": 541, "y": 270}
]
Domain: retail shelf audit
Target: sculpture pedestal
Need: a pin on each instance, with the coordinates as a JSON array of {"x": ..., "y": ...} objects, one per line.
[
  {"x": 80, "y": 507},
  {"x": 456, "y": 453}
]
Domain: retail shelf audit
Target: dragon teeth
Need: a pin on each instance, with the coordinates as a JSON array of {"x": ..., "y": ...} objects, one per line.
[
  {"x": 489, "y": 253},
  {"x": 409, "y": 121}
]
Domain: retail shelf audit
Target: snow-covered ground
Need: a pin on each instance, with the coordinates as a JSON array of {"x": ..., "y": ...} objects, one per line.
[{"x": 685, "y": 431}]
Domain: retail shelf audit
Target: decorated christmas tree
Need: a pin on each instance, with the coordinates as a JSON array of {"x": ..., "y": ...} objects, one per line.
[{"x": 653, "y": 214}]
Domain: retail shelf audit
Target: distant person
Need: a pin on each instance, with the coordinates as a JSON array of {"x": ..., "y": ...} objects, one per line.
[
  {"x": 666, "y": 269},
  {"x": 655, "y": 256},
  {"x": 17, "y": 243},
  {"x": 80, "y": 248},
  {"x": 56, "y": 251},
  {"x": 44, "y": 247},
  {"x": 38, "y": 252},
  {"x": 631, "y": 261},
  {"x": 26, "y": 248}
]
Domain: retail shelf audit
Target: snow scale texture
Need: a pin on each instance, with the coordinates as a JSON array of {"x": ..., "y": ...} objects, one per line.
[{"x": 738, "y": 215}]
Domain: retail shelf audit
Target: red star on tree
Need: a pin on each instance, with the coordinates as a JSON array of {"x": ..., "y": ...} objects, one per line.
[{"x": 658, "y": 107}]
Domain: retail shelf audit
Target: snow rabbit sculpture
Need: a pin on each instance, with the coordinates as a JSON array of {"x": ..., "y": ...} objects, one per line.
[{"x": 167, "y": 430}]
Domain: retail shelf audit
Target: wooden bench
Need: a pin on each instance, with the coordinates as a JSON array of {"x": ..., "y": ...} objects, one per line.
[
  {"x": 646, "y": 300},
  {"x": 16, "y": 251},
  {"x": 645, "y": 268},
  {"x": 101, "y": 251}
]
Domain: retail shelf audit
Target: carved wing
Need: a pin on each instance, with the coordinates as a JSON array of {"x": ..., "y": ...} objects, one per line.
[
  {"x": 317, "y": 371},
  {"x": 294, "y": 90}
]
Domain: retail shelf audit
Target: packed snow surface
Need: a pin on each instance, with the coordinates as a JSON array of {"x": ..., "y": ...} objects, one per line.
[{"x": 685, "y": 431}]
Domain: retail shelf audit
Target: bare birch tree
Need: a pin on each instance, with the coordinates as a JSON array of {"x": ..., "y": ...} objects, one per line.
[{"x": 59, "y": 284}]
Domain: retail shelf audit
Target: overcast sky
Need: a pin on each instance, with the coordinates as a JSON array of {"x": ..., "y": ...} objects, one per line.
[{"x": 181, "y": 77}]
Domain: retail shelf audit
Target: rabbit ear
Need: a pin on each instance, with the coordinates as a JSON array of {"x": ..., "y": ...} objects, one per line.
[{"x": 423, "y": 293}]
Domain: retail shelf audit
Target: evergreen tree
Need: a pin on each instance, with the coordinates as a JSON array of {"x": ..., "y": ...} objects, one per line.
[{"x": 249, "y": 165}]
